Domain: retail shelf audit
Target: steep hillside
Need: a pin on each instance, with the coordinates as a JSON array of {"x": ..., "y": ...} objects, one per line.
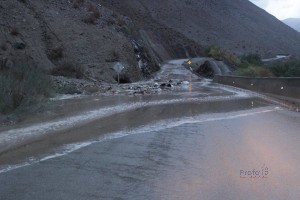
[
  {"x": 95, "y": 34},
  {"x": 237, "y": 25},
  {"x": 52, "y": 34},
  {"x": 293, "y": 22}
]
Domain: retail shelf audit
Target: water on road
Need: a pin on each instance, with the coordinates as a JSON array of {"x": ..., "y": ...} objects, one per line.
[{"x": 200, "y": 141}]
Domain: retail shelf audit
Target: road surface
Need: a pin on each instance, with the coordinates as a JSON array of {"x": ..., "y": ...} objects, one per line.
[{"x": 202, "y": 141}]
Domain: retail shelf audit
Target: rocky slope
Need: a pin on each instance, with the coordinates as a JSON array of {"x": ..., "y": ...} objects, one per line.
[
  {"x": 236, "y": 25},
  {"x": 293, "y": 22},
  {"x": 51, "y": 33},
  {"x": 95, "y": 34}
]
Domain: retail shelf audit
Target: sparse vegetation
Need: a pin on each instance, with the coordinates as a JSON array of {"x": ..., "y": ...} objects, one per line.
[
  {"x": 93, "y": 9},
  {"x": 91, "y": 89},
  {"x": 220, "y": 54},
  {"x": 22, "y": 86},
  {"x": 116, "y": 55},
  {"x": 3, "y": 47},
  {"x": 120, "y": 21},
  {"x": 116, "y": 21},
  {"x": 68, "y": 69},
  {"x": 252, "y": 65},
  {"x": 69, "y": 88},
  {"x": 253, "y": 71},
  {"x": 77, "y": 3},
  {"x": 111, "y": 21},
  {"x": 93, "y": 14},
  {"x": 89, "y": 19},
  {"x": 22, "y": 1},
  {"x": 4, "y": 64},
  {"x": 56, "y": 53},
  {"x": 251, "y": 59},
  {"x": 14, "y": 31},
  {"x": 289, "y": 68}
]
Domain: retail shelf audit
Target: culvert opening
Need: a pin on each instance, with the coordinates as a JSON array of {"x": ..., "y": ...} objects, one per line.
[
  {"x": 206, "y": 70},
  {"x": 123, "y": 79}
]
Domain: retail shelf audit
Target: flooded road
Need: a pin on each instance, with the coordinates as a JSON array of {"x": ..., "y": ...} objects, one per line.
[{"x": 199, "y": 141}]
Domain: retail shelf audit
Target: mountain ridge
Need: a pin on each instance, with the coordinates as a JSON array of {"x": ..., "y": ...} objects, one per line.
[
  {"x": 238, "y": 25},
  {"x": 293, "y": 23}
]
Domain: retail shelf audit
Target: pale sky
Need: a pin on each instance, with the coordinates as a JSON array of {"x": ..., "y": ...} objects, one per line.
[{"x": 281, "y": 9}]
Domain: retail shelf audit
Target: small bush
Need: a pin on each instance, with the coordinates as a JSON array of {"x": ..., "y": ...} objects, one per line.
[
  {"x": 3, "y": 47},
  {"x": 68, "y": 69},
  {"x": 22, "y": 1},
  {"x": 220, "y": 54},
  {"x": 116, "y": 21},
  {"x": 120, "y": 22},
  {"x": 56, "y": 54},
  {"x": 21, "y": 86},
  {"x": 89, "y": 19},
  {"x": 91, "y": 89},
  {"x": 250, "y": 60},
  {"x": 111, "y": 21},
  {"x": 4, "y": 65},
  {"x": 14, "y": 31},
  {"x": 77, "y": 3},
  {"x": 68, "y": 88},
  {"x": 289, "y": 68},
  {"x": 116, "y": 54},
  {"x": 253, "y": 71},
  {"x": 93, "y": 9},
  {"x": 93, "y": 14}
]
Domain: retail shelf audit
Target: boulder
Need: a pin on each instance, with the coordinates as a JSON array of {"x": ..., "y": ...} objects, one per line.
[
  {"x": 19, "y": 45},
  {"x": 206, "y": 70}
]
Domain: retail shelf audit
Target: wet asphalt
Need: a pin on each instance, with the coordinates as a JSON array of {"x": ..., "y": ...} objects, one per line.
[{"x": 228, "y": 146}]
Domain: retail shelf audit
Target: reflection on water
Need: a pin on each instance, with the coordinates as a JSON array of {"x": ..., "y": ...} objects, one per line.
[{"x": 188, "y": 144}]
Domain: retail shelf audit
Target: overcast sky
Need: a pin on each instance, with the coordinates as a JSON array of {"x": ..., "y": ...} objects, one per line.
[{"x": 281, "y": 9}]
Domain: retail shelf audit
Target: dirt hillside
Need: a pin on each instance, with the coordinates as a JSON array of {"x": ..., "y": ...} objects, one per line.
[
  {"x": 236, "y": 25},
  {"x": 90, "y": 36}
]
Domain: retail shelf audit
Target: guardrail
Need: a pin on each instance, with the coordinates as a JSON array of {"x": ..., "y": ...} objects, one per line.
[{"x": 288, "y": 87}]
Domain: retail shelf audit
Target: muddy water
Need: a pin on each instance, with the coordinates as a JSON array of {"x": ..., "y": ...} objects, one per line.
[
  {"x": 85, "y": 118},
  {"x": 189, "y": 143},
  {"x": 198, "y": 157}
]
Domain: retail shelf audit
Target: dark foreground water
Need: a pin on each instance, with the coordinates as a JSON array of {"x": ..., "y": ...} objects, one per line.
[{"x": 196, "y": 158}]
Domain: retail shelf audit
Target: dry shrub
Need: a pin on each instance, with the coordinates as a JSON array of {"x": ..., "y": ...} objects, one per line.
[
  {"x": 77, "y": 3},
  {"x": 288, "y": 68},
  {"x": 68, "y": 69},
  {"x": 3, "y": 47},
  {"x": 120, "y": 22},
  {"x": 116, "y": 21},
  {"x": 4, "y": 64},
  {"x": 253, "y": 71},
  {"x": 56, "y": 53},
  {"x": 14, "y": 31},
  {"x": 116, "y": 54},
  {"x": 111, "y": 21},
  {"x": 92, "y": 8},
  {"x": 220, "y": 54},
  {"x": 93, "y": 14},
  {"x": 91, "y": 89},
  {"x": 22, "y": 86},
  {"x": 89, "y": 19}
]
